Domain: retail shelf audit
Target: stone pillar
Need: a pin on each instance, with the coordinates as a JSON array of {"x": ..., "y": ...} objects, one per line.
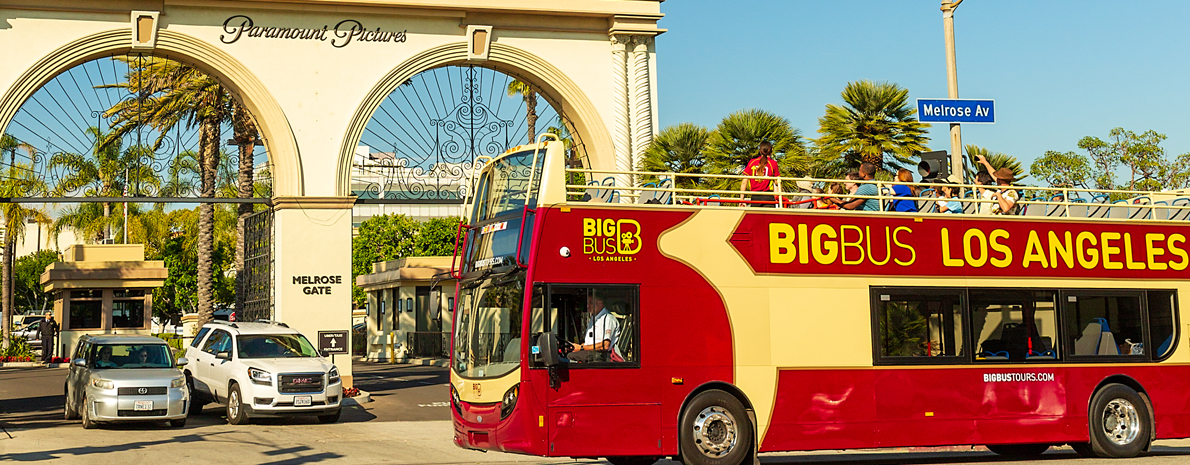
[
  {"x": 312, "y": 267},
  {"x": 621, "y": 127},
  {"x": 642, "y": 99}
]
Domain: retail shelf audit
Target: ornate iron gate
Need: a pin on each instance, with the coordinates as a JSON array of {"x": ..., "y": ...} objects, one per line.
[{"x": 258, "y": 267}]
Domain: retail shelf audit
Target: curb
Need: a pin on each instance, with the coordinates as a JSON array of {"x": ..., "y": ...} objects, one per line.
[
  {"x": 24, "y": 365},
  {"x": 363, "y": 398},
  {"x": 435, "y": 362}
]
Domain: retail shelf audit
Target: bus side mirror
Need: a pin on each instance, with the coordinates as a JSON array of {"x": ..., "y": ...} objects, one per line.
[{"x": 547, "y": 349}]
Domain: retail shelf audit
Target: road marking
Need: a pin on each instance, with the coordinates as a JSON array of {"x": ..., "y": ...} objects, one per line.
[{"x": 435, "y": 404}]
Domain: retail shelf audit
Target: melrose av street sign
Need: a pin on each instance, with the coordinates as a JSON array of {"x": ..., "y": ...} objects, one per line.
[
  {"x": 956, "y": 111},
  {"x": 346, "y": 31}
]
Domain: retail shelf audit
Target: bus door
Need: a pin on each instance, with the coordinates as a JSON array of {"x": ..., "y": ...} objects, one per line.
[{"x": 598, "y": 404}]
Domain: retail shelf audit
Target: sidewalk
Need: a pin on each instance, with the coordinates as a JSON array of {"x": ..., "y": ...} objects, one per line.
[{"x": 434, "y": 362}]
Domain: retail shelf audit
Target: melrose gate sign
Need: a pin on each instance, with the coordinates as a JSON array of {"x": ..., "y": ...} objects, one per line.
[{"x": 347, "y": 30}]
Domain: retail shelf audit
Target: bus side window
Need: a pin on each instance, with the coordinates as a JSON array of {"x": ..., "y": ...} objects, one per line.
[
  {"x": 1104, "y": 325},
  {"x": 918, "y": 326},
  {"x": 600, "y": 323},
  {"x": 1162, "y": 306},
  {"x": 1013, "y": 325}
]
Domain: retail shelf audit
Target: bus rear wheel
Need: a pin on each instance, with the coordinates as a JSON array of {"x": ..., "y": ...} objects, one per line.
[
  {"x": 1019, "y": 450},
  {"x": 1120, "y": 423},
  {"x": 715, "y": 430}
]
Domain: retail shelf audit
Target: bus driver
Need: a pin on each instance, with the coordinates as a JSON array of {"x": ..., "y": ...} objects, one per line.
[{"x": 603, "y": 330}]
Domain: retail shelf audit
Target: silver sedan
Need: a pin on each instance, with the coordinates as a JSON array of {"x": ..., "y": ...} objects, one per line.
[{"x": 125, "y": 378}]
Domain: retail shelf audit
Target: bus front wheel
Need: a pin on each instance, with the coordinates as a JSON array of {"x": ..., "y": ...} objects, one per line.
[
  {"x": 715, "y": 430},
  {"x": 1120, "y": 423}
]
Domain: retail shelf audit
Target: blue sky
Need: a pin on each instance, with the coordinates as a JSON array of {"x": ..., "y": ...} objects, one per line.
[{"x": 1058, "y": 70}]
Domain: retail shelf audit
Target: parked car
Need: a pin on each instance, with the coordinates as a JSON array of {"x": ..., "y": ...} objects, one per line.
[
  {"x": 116, "y": 377},
  {"x": 261, "y": 369},
  {"x": 31, "y": 334}
]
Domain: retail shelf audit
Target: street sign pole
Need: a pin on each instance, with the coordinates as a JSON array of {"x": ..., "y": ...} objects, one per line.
[{"x": 952, "y": 89}]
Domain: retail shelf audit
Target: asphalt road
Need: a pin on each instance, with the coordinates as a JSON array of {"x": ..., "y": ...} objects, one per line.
[{"x": 408, "y": 422}]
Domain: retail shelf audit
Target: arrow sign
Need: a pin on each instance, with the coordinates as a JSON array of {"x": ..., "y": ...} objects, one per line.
[
  {"x": 956, "y": 111},
  {"x": 332, "y": 342}
]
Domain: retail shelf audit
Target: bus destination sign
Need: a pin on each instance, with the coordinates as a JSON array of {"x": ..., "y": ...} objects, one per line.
[{"x": 836, "y": 244}]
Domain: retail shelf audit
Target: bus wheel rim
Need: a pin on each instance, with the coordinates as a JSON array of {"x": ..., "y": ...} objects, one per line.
[
  {"x": 715, "y": 432},
  {"x": 1121, "y": 422}
]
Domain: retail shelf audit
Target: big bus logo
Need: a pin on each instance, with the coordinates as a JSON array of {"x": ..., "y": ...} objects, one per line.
[{"x": 606, "y": 239}]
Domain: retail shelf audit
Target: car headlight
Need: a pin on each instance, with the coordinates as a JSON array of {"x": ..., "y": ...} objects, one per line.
[
  {"x": 103, "y": 383},
  {"x": 333, "y": 376},
  {"x": 509, "y": 401},
  {"x": 259, "y": 376},
  {"x": 177, "y": 382},
  {"x": 455, "y": 401}
]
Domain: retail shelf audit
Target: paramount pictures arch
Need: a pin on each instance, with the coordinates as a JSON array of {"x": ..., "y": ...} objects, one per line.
[{"x": 312, "y": 73}]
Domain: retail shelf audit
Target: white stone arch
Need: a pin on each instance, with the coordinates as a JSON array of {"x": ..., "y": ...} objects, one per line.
[
  {"x": 274, "y": 127},
  {"x": 552, "y": 83}
]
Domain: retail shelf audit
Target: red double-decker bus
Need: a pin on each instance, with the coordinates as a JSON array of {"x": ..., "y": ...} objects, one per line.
[{"x": 669, "y": 325}]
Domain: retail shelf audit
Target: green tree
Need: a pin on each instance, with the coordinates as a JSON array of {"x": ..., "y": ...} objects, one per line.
[
  {"x": 1141, "y": 155},
  {"x": 1062, "y": 169},
  {"x": 735, "y": 139},
  {"x": 679, "y": 149},
  {"x": 105, "y": 172},
  {"x": 875, "y": 124},
  {"x": 529, "y": 95},
  {"x": 436, "y": 237},
  {"x": 30, "y": 296},
  {"x": 10, "y": 144},
  {"x": 19, "y": 181},
  {"x": 996, "y": 159},
  {"x": 380, "y": 238}
]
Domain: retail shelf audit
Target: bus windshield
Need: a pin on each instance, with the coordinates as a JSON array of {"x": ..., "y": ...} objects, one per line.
[
  {"x": 487, "y": 337},
  {"x": 504, "y": 183}
]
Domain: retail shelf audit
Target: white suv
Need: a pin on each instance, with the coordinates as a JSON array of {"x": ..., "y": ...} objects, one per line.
[{"x": 261, "y": 369}]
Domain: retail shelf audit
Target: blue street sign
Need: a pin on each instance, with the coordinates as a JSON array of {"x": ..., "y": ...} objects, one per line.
[{"x": 956, "y": 111}]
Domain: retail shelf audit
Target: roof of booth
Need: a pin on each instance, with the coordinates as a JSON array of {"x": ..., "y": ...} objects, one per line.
[
  {"x": 395, "y": 272},
  {"x": 92, "y": 266}
]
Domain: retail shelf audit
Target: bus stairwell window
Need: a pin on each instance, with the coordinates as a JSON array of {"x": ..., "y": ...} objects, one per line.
[
  {"x": 920, "y": 325},
  {"x": 1014, "y": 325}
]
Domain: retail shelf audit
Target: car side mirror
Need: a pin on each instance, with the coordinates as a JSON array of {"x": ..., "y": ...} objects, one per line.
[
  {"x": 324, "y": 353},
  {"x": 225, "y": 355},
  {"x": 547, "y": 349},
  {"x": 79, "y": 362},
  {"x": 182, "y": 361}
]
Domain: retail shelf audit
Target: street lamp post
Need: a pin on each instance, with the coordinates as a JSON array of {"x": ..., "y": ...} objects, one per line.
[{"x": 952, "y": 88}]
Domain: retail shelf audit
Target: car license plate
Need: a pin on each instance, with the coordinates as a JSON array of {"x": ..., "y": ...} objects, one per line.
[
  {"x": 142, "y": 405},
  {"x": 302, "y": 401}
]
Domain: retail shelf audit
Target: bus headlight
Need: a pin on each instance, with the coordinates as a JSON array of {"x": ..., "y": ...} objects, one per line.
[
  {"x": 455, "y": 402},
  {"x": 509, "y": 401}
]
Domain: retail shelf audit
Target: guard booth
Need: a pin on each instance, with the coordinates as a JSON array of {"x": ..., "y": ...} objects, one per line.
[
  {"x": 103, "y": 289},
  {"x": 409, "y": 309}
]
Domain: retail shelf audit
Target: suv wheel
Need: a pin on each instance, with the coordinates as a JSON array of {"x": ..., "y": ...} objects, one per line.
[
  {"x": 196, "y": 402},
  {"x": 86, "y": 413},
  {"x": 70, "y": 413},
  {"x": 236, "y": 414}
]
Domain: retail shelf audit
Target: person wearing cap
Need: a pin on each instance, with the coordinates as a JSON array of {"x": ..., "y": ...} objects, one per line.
[{"x": 1006, "y": 197}]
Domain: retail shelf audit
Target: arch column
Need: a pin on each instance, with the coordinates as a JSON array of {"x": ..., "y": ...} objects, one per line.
[
  {"x": 621, "y": 131},
  {"x": 642, "y": 99}
]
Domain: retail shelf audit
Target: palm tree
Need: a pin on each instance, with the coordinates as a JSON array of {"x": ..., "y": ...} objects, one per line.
[
  {"x": 996, "y": 159},
  {"x": 517, "y": 87},
  {"x": 104, "y": 173},
  {"x": 246, "y": 139},
  {"x": 10, "y": 144},
  {"x": 875, "y": 125},
  {"x": 19, "y": 181},
  {"x": 679, "y": 149},
  {"x": 737, "y": 136},
  {"x": 173, "y": 93}
]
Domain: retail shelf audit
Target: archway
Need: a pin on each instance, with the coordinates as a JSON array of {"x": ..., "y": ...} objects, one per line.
[
  {"x": 279, "y": 139},
  {"x": 566, "y": 97}
]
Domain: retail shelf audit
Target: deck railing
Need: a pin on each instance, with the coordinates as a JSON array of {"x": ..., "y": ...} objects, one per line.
[{"x": 1055, "y": 202}]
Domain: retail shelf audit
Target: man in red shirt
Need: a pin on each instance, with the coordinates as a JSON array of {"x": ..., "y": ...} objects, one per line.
[{"x": 762, "y": 165}]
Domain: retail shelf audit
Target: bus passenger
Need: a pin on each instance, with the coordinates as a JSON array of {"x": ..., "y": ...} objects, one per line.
[
  {"x": 867, "y": 172},
  {"x": 982, "y": 178},
  {"x": 947, "y": 204},
  {"x": 901, "y": 190},
  {"x": 603, "y": 330},
  {"x": 1005, "y": 197},
  {"x": 762, "y": 165}
]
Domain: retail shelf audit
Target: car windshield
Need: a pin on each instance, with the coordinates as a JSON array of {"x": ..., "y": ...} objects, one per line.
[
  {"x": 488, "y": 331},
  {"x": 275, "y": 346},
  {"x": 132, "y": 356}
]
